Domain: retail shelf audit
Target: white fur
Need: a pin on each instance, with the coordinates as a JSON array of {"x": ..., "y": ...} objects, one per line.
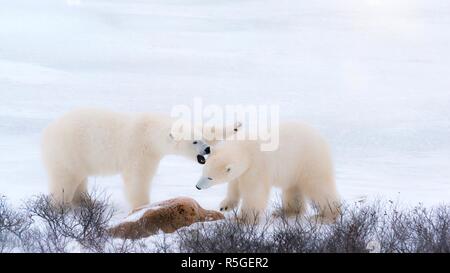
[
  {"x": 94, "y": 142},
  {"x": 302, "y": 167}
]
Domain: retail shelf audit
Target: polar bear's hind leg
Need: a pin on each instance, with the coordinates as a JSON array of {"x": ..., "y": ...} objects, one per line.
[
  {"x": 293, "y": 202},
  {"x": 327, "y": 202}
]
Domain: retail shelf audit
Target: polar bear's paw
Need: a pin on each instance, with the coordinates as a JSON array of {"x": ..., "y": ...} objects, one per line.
[
  {"x": 321, "y": 219},
  {"x": 228, "y": 204}
]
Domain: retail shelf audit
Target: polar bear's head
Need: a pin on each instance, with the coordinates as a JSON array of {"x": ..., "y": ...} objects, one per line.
[
  {"x": 227, "y": 162},
  {"x": 191, "y": 148},
  {"x": 214, "y": 134},
  {"x": 195, "y": 141}
]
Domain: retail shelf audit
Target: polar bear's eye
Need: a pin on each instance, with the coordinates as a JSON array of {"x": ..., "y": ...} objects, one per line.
[
  {"x": 195, "y": 142},
  {"x": 228, "y": 170}
]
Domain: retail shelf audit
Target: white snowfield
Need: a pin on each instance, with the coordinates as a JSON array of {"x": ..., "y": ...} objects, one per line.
[{"x": 372, "y": 75}]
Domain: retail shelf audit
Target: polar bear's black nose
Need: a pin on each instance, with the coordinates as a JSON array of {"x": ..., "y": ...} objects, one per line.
[
  {"x": 201, "y": 159},
  {"x": 207, "y": 150}
]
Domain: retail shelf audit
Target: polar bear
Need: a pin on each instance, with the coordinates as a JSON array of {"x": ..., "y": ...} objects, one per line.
[
  {"x": 96, "y": 142},
  {"x": 301, "y": 166}
]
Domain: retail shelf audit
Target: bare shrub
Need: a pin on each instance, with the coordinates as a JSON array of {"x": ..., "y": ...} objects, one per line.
[
  {"x": 416, "y": 230},
  {"x": 58, "y": 226},
  {"x": 42, "y": 226},
  {"x": 375, "y": 227},
  {"x": 13, "y": 224},
  {"x": 225, "y": 236}
]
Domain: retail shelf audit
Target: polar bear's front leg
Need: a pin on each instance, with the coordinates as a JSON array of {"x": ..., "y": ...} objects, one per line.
[
  {"x": 63, "y": 186},
  {"x": 233, "y": 197},
  {"x": 254, "y": 203},
  {"x": 137, "y": 182},
  {"x": 81, "y": 192}
]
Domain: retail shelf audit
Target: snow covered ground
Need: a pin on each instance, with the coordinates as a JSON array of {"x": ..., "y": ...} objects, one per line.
[{"x": 372, "y": 75}]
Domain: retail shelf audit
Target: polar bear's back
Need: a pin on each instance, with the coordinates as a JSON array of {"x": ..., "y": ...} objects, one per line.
[
  {"x": 303, "y": 155},
  {"x": 84, "y": 138}
]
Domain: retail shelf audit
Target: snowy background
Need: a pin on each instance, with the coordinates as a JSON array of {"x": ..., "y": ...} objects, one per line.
[{"x": 373, "y": 76}]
